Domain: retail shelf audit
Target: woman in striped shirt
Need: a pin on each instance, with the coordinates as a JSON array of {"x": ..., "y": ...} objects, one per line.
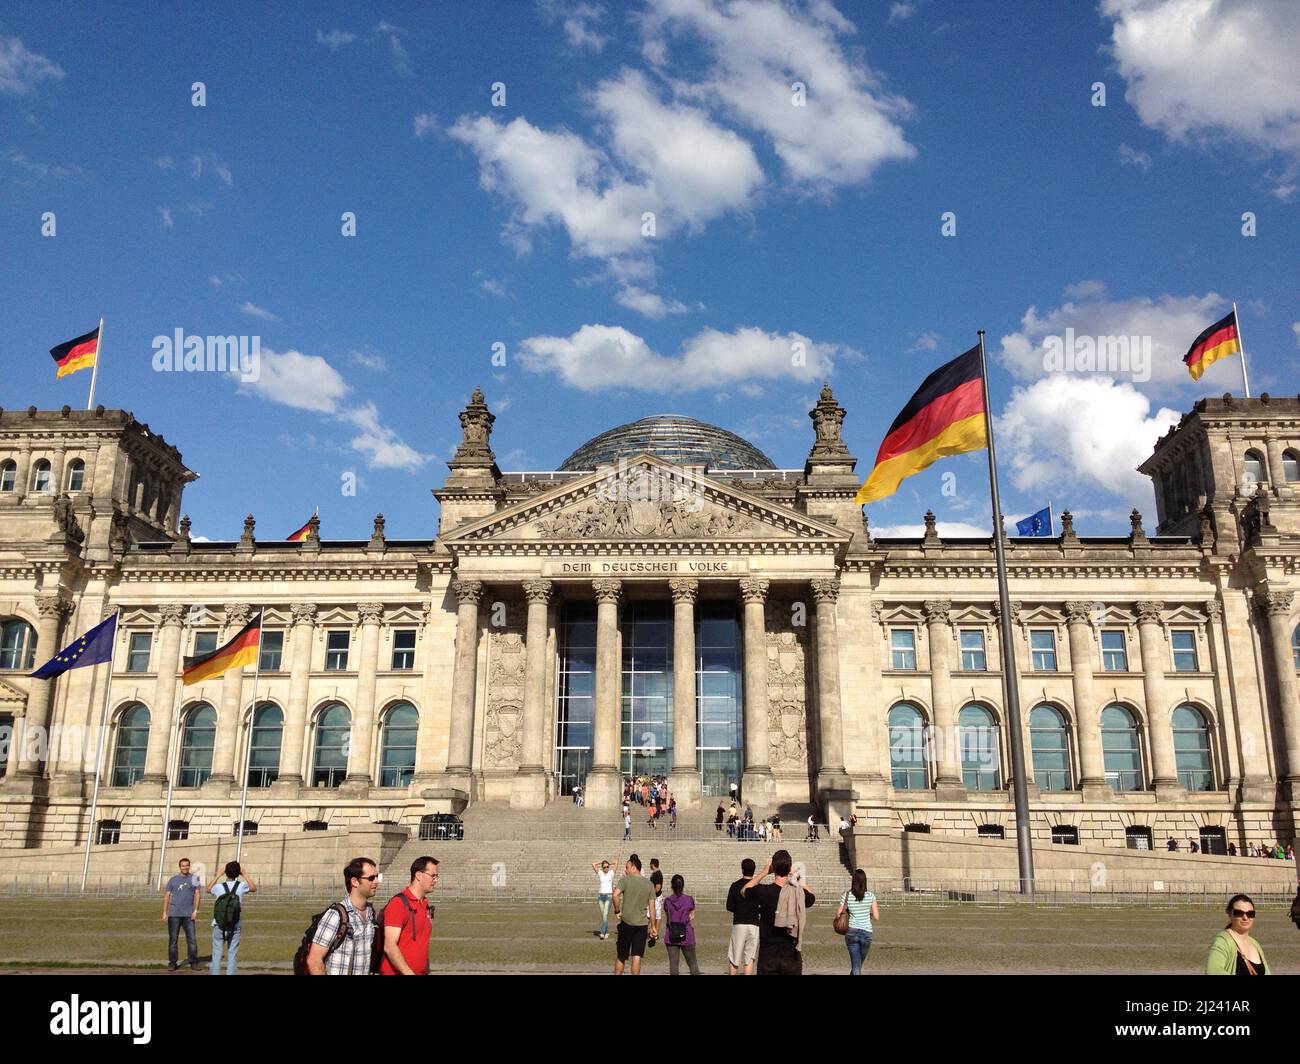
[{"x": 862, "y": 907}]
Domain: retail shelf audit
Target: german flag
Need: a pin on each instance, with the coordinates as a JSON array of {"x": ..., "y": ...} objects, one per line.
[
  {"x": 240, "y": 651},
  {"x": 1218, "y": 341},
  {"x": 301, "y": 534},
  {"x": 944, "y": 417},
  {"x": 76, "y": 354}
]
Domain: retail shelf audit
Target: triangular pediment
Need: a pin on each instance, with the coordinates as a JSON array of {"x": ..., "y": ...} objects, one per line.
[
  {"x": 644, "y": 500},
  {"x": 11, "y": 697}
]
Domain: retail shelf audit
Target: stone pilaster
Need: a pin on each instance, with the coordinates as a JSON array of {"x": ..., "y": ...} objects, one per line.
[
  {"x": 528, "y": 789},
  {"x": 359, "y": 778},
  {"x": 1276, "y": 607},
  {"x": 948, "y": 783},
  {"x": 833, "y": 784},
  {"x": 460, "y": 744},
  {"x": 1155, "y": 662},
  {"x": 23, "y": 770},
  {"x": 162, "y": 721},
  {"x": 604, "y": 779},
  {"x": 684, "y": 780},
  {"x": 1092, "y": 762},
  {"x": 757, "y": 782},
  {"x": 228, "y": 718},
  {"x": 289, "y": 778}
]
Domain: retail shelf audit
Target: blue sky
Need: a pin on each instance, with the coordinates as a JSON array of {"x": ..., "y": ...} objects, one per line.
[{"x": 776, "y": 225}]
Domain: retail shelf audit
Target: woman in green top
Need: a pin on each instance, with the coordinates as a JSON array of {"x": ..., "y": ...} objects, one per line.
[
  {"x": 1234, "y": 951},
  {"x": 862, "y": 907}
]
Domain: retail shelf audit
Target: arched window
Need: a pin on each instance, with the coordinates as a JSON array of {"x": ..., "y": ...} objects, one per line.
[
  {"x": 907, "y": 760},
  {"x": 198, "y": 737},
  {"x": 17, "y": 645},
  {"x": 1192, "y": 749},
  {"x": 268, "y": 730},
  {"x": 330, "y": 760},
  {"x": 1049, "y": 743},
  {"x": 397, "y": 745},
  {"x": 41, "y": 476},
  {"x": 76, "y": 475},
  {"x": 8, "y": 476},
  {"x": 1252, "y": 471},
  {"x": 977, "y": 736},
  {"x": 132, "y": 745},
  {"x": 6, "y": 738},
  {"x": 1290, "y": 466},
  {"x": 1121, "y": 751}
]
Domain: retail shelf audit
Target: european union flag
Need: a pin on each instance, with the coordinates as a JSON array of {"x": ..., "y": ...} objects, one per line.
[
  {"x": 92, "y": 648},
  {"x": 1039, "y": 524}
]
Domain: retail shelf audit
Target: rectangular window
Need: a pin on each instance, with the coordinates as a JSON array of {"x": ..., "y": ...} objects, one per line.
[
  {"x": 336, "y": 651},
  {"x": 204, "y": 643},
  {"x": 972, "y": 651},
  {"x": 1114, "y": 653},
  {"x": 1043, "y": 645},
  {"x": 272, "y": 651},
  {"x": 902, "y": 642},
  {"x": 137, "y": 657},
  {"x": 1184, "y": 643},
  {"x": 404, "y": 648}
]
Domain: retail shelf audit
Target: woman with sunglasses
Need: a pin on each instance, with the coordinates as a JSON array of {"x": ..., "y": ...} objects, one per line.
[{"x": 1234, "y": 951}]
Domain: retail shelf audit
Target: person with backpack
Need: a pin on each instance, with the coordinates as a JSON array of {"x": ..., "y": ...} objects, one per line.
[
  {"x": 340, "y": 940},
  {"x": 406, "y": 924},
  {"x": 227, "y": 913},
  {"x": 679, "y": 911}
]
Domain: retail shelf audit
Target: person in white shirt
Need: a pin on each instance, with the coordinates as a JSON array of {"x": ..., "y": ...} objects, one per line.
[
  {"x": 604, "y": 894},
  {"x": 238, "y": 882}
]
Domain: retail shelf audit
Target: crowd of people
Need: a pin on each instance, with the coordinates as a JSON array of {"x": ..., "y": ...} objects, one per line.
[{"x": 1277, "y": 851}]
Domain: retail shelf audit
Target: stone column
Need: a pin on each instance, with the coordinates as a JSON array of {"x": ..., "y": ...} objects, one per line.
[
  {"x": 22, "y": 481},
  {"x": 162, "y": 714},
  {"x": 604, "y": 781},
  {"x": 56, "y": 467},
  {"x": 464, "y": 682},
  {"x": 758, "y": 783},
  {"x": 294, "y": 736},
  {"x": 948, "y": 783},
  {"x": 684, "y": 781},
  {"x": 359, "y": 778},
  {"x": 24, "y": 771},
  {"x": 1276, "y": 471},
  {"x": 1087, "y": 715},
  {"x": 528, "y": 789},
  {"x": 833, "y": 784},
  {"x": 1276, "y": 606},
  {"x": 1155, "y": 662},
  {"x": 231, "y": 712},
  {"x": 428, "y": 650},
  {"x": 1227, "y": 734}
]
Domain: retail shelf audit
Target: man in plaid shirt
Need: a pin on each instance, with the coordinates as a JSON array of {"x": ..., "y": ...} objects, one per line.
[{"x": 352, "y": 957}]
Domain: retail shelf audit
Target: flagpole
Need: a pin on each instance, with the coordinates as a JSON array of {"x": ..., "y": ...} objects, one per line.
[
  {"x": 248, "y": 744},
  {"x": 99, "y": 759},
  {"x": 1245, "y": 382},
  {"x": 1051, "y": 521},
  {"x": 173, "y": 762},
  {"x": 1010, "y": 681},
  {"x": 94, "y": 370}
]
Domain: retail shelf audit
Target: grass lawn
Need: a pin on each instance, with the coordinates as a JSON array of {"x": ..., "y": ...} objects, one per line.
[{"x": 52, "y": 934}]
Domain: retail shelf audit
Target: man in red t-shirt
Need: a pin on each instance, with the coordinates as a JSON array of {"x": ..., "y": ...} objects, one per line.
[{"x": 407, "y": 923}]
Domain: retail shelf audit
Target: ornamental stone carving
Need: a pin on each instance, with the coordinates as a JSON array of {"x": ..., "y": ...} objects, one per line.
[
  {"x": 826, "y": 589},
  {"x": 878, "y": 613},
  {"x": 1148, "y": 612},
  {"x": 1214, "y": 609},
  {"x": 507, "y": 670},
  {"x": 468, "y": 592},
  {"x": 827, "y": 418},
  {"x": 173, "y": 614},
  {"x": 51, "y": 605},
  {"x": 607, "y": 590},
  {"x": 1078, "y": 612},
  {"x": 503, "y": 742},
  {"x": 238, "y": 614},
  {"x": 684, "y": 589},
  {"x": 753, "y": 589},
  {"x": 1274, "y": 603},
  {"x": 937, "y": 611},
  {"x": 618, "y": 519},
  {"x": 370, "y": 612},
  {"x": 538, "y": 591},
  {"x": 303, "y": 613},
  {"x": 787, "y": 688}
]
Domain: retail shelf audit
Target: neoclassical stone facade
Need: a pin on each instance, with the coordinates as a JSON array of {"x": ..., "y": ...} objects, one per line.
[{"x": 667, "y": 601}]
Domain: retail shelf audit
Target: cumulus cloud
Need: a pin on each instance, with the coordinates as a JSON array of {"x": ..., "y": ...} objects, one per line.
[
  {"x": 379, "y": 443},
  {"x": 600, "y": 357},
  {"x": 651, "y": 304},
  {"x": 578, "y": 21},
  {"x": 21, "y": 71},
  {"x": 1065, "y": 432},
  {"x": 927, "y": 341},
  {"x": 254, "y": 311},
  {"x": 367, "y": 360}
]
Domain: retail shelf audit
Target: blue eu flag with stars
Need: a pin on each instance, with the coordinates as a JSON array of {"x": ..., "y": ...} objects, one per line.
[
  {"x": 1039, "y": 524},
  {"x": 92, "y": 648}
]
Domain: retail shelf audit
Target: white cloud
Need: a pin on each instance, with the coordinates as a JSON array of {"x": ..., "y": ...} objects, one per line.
[
  {"x": 1208, "y": 69},
  {"x": 372, "y": 362},
  {"x": 304, "y": 382},
  {"x": 254, "y": 311},
  {"x": 424, "y": 125},
  {"x": 379, "y": 443},
  {"x": 493, "y": 287},
  {"x": 1071, "y": 432},
  {"x": 651, "y": 304},
  {"x": 949, "y": 529},
  {"x": 387, "y": 33},
  {"x": 165, "y": 162},
  {"x": 165, "y": 217},
  {"x": 1085, "y": 290},
  {"x": 1170, "y": 323},
  {"x": 214, "y": 163},
  {"x": 927, "y": 341},
  {"x": 900, "y": 12},
  {"x": 199, "y": 207},
  {"x": 1296, "y": 329},
  {"x": 39, "y": 169},
  {"x": 577, "y": 20},
  {"x": 21, "y": 71},
  {"x": 214, "y": 280},
  {"x": 1133, "y": 157},
  {"x": 600, "y": 357},
  {"x": 849, "y": 126},
  {"x": 335, "y": 39}
]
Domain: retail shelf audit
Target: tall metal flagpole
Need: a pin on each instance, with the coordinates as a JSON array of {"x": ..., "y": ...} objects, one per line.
[
  {"x": 99, "y": 760},
  {"x": 248, "y": 744},
  {"x": 1010, "y": 681},
  {"x": 173, "y": 769},
  {"x": 1245, "y": 382},
  {"x": 1051, "y": 520},
  {"x": 94, "y": 370}
]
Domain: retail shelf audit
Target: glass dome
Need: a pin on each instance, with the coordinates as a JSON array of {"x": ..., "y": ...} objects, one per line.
[{"x": 674, "y": 438}]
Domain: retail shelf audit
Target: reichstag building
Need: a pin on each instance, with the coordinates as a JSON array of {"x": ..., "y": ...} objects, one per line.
[{"x": 666, "y": 601}]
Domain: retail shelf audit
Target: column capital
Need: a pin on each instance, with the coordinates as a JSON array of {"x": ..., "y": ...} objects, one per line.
[
  {"x": 238, "y": 613},
  {"x": 1148, "y": 611},
  {"x": 1014, "y": 609},
  {"x": 607, "y": 590},
  {"x": 1078, "y": 613},
  {"x": 370, "y": 612},
  {"x": 303, "y": 613},
  {"x": 937, "y": 610},
  {"x": 684, "y": 588},
  {"x": 826, "y": 589},
  {"x": 1274, "y": 603},
  {"x": 538, "y": 591},
  {"x": 1214, "y": 609},
  {"x": 468, "y": 592},
  {"x": 754, "y": 589},
  {"x": 51, "y": 605},
  {"x": 173, "y": 614}
]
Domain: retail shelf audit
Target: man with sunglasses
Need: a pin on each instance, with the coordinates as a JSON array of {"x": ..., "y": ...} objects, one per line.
[
  {"x": 349, "y": 954},
  {"x": 407, "y": 923}
]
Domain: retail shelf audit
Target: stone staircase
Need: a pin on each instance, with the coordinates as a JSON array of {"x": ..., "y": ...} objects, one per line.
[{"x": 546, "y": 854}]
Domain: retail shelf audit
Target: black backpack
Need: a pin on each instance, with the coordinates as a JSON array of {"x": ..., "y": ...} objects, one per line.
[
  {"x": 227, "y": 911},
  {"x": 300, "y": 958},
  {"x": 377, "y": 946}
]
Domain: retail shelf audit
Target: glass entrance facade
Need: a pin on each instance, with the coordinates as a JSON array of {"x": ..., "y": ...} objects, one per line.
[
  {"x": 646, "y": 725},
  {"x": 718, "y": 696},
  {"x": 575, "y": 695}
]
